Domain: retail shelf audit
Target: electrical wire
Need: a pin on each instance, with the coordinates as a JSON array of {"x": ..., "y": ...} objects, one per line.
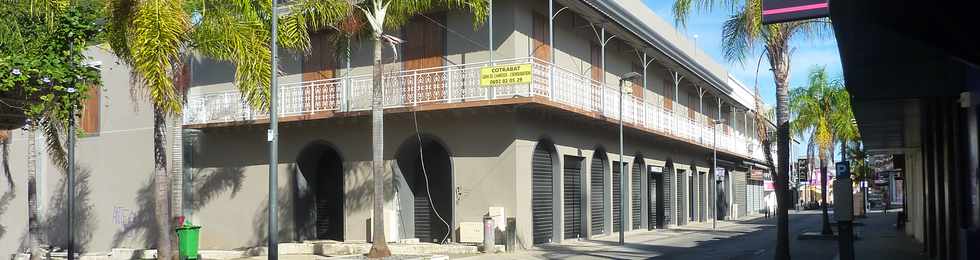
[{"x": 418, "y": 135}]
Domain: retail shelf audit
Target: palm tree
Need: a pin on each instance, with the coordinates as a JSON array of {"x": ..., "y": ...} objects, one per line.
[
  {"x": 819, "y": 107},
  {"x": 742, "y": 32},
  {"x": 156, "y": 37},
  {"x": 381, "y": 15}
]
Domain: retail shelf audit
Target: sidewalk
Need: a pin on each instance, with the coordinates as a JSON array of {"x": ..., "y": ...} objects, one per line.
[
  {"x": 881, "y": 240},
  {"x": 640, "y": 244}
]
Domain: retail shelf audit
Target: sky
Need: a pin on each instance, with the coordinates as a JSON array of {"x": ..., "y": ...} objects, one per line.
[{"x": 807, "y": 52}]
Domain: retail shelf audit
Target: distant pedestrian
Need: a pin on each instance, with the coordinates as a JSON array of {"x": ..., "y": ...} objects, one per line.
[{"x": 767, "y": 211}]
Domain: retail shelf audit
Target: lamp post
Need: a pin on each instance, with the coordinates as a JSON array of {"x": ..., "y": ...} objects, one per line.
[
  {"x": 273, "y": 139},
  {"x": 622, "y": 181},
  {"x": 714, "y": 161}
]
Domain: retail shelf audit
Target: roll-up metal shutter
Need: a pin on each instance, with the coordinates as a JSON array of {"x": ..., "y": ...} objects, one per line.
[
  {"x": 542, "y": 196},
  {"x": 668, "y": 185},
  {"x": 617, "y": 192},
  {"x": 597, "y": 195},
  {"x": 636, "y": 198},
  {"x": 573, "y": 197},
  {"x": 703, "y": 191},
  {"x": 712, "y": 195},
  {"x": 740, "y": 193},
  {"x": 681, "y": 198}
]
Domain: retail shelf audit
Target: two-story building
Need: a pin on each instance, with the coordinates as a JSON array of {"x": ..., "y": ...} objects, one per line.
[{"x": 544, "y": 148}]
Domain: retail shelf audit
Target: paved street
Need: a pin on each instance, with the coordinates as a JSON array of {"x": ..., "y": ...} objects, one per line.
[{"x": 751, "y": 239}]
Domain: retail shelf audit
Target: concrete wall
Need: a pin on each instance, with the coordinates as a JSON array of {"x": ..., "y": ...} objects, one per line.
[
  {"x": 573, "y": 137},
  {"x": 480, "y": 146},
  {"x": 114, "y": 182}
]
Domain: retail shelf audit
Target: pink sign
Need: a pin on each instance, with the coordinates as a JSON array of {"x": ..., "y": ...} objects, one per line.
[{"x": 768, "y": 186}]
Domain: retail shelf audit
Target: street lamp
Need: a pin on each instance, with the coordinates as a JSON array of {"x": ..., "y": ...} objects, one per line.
[
  {"x": 714, "y": 161},
  {"x": 622, "y": 181}
]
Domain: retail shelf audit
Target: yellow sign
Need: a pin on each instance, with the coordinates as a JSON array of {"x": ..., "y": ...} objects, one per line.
[{"x": 505, "y": 75}]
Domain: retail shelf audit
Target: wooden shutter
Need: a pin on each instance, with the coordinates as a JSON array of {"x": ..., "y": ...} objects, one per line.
[
  {"x": 319, "y": 65},
  {"x": 539, "y": 34},
  {"x": 597, "y": 63},
  {"x": 90, "y": 111},
  {"x": 424, "y": 49},
  {"x": 637, "y": 82},
  {"x": 668, "y": 93}
]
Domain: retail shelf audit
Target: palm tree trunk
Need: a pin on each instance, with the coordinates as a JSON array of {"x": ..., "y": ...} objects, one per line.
[
  {"x": 162, "y": 183},
  {"x": 379, "y": 247},
  {"x": 33, "y": 223},
  {"x": 823, "y": 195},
  {"x": 779, "y": 60}
]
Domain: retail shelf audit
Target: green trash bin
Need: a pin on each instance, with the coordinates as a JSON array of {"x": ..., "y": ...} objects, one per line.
[{"x": 187, "y": 237}]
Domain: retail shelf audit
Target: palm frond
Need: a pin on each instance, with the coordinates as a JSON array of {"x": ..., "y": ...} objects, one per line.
[
  {"x": 739, "y": 33},
  {"x": 682, "y": 8},
  {"x": 154, "y": 42},
  {"x": 400, "y": 11}
]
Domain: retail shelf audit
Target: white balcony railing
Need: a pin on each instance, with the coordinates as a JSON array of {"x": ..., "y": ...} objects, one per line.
[{"x": 461, "y": 83}]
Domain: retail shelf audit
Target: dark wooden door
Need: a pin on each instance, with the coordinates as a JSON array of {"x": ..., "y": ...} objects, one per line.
[
  {"x": 319, "y": 65},
  {"x": 425, "y": 51}
]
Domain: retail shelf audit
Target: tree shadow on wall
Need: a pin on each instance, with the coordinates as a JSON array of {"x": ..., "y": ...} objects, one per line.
[
  {"x": 207, "y": 186},
  {"x": 284, "y": 206},
  {"x": 5, "y": 200},
  {"x": 55, "y": 225}
]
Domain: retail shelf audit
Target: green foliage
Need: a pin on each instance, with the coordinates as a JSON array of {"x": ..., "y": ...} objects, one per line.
[
  {"x": 823, "y": 109},
  {"x": 41, "y": 57}
]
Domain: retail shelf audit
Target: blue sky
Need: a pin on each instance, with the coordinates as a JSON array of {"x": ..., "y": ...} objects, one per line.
[{"x": 806, "y": 52}]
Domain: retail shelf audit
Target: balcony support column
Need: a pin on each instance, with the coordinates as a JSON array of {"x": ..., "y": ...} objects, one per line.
[
  {"x": 551, "y": 51},
  {"x": 701, "y": 92},
  {"x": 719, "y": 117},
  {"x": 491, "y": 94},
  {"x": 677, "y": 83},
  {"x": 347, "y": 83}
]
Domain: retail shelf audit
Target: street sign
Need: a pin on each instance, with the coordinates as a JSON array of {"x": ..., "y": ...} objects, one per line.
[
  {"x": 719, "y": 173},
  {"x": 656, "y": 169},
  {"x": 843, "y": 170},
  {"x": 505, "y": 75}
]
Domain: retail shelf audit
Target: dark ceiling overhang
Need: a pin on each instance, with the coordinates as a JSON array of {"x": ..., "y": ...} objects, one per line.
[{"x": 896, "y": 52}]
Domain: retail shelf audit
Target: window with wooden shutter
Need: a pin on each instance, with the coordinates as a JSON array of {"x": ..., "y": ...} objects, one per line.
[
  {"x": 637, "y": 82},
  {"x": 539, "y": 34},
  {"x": 319, "y": 65},
  {"x": 425, "y": 49},
  {"x": 597, "y": 63},
  {"x": 668, "y": 93},
  {"x": 90, "y": 111}
]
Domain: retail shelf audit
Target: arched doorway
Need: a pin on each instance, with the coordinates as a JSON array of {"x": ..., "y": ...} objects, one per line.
[
  {"x": 424, "y": 184},
  {"x": 543, "y": 173},
  {"x": 597, "y": 193},
  {"x": 323, "y": 169}
]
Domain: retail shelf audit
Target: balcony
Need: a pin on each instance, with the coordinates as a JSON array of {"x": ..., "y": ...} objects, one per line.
[{"x": 460, "y": 84}]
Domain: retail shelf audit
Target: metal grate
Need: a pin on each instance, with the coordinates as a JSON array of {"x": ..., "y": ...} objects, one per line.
[{"x": 635, "y": 199}]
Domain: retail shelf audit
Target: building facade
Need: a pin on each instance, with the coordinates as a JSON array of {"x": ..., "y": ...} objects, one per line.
[{"x": 546, "y": 151}]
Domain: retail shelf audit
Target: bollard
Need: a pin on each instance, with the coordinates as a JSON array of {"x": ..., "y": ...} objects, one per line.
[
  {"x": 488, "y": 234},
  {"x": 511, "y": 235}
]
